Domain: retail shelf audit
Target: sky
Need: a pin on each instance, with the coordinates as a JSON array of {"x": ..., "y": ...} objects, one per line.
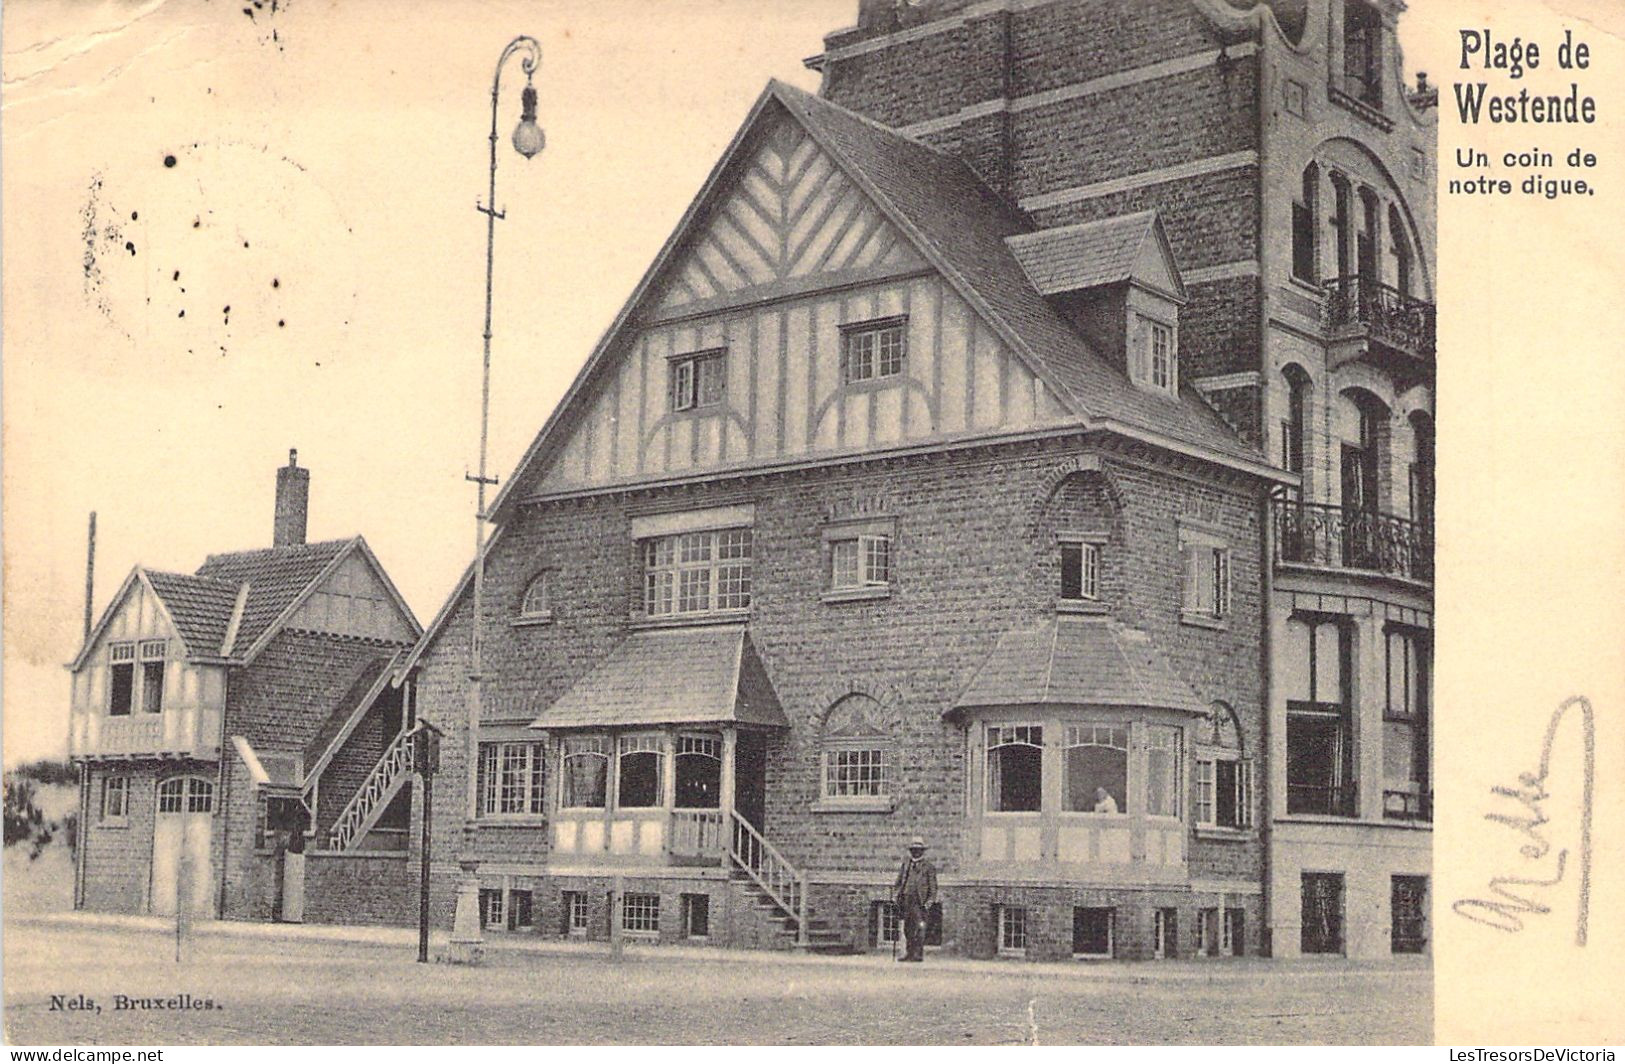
[
  {"x": 226, "y": 236},
  {"x": 236, "y": 228}
]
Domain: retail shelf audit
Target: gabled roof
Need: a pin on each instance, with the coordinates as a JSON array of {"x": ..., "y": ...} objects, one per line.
[
  {"x": 275, "y": 576},
  {"x": 706, "y": 676},
  {"x": 1078, "y": 661},
  {"x": 235, "y": 602},
  {"x": 201, "y": 608},
  {"x": 1090, "y": 254},
  {"x": 961, "y": 227}
]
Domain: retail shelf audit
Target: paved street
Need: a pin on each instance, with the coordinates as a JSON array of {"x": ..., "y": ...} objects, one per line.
[{"x": 336, "y": 986}]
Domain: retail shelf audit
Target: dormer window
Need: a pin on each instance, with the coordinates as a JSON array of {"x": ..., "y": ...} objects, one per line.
[
  {"x": 873, "y": 350},
  {"x": 1155, "y": 360},
  {"x": 698, "y": 380}
]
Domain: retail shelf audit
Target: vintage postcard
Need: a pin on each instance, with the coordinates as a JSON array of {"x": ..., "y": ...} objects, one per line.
[{"x": 826, "y": 521}]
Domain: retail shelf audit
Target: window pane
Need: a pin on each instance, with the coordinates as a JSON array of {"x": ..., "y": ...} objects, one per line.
[
  {"x": 640, "y": 780},
  {"x": 699, "y": 781},
  {"x": 1328, "y": 663},
  {"x": 1015, "y": 779},
  {"x": 122, "y": 695},
  {"x": 1162, "y": 771},
  {"x": 1226, "y": 794},
  {"x": 876, "y": 559},
  {"x": 856, "y": 773},
  {"x": 1295, "y": 657},
  {"x": 152, "y": 687},
  {"x": 585, "y": 776},
  {"x": 1072, "y": 571},
  {"x": 1096, "y": 779}
]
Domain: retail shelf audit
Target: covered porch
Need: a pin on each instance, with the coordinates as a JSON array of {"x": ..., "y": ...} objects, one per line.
[{"x": 660, "y": 753}]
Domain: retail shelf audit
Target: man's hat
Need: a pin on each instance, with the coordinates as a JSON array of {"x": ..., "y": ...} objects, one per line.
[{"x": 916, "y": 843}]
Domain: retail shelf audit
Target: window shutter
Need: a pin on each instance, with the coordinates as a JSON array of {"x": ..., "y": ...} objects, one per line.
[{"x": 1192, "y": 576}]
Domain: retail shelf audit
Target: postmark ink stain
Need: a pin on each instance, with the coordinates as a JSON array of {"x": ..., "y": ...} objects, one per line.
[
  {"x": 134, "y": 215},
  {"x": 245, "y": 243},
  {"x": 275, "y": 283},
  {"x": 129, "y": 246},
  {"x": 182, "y": 314},
  {"x": 280, "y": 323},
  {"x": 196, "y": 222},
  {"x": 169, "y": 161},
  {"x": 177, "y": 276}
]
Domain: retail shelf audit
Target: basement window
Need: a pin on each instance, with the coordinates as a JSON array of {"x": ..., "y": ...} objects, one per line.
[
  {"x": 640, "y": 914},
  {"x": 1091, "y": 933},
  {"x": 696, "y": 915},
  {"x": 1012, "y": 920}
]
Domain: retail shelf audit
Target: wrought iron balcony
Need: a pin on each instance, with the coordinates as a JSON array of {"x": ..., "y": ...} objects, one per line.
[
  {"x": 1331, "y": 537},
  {"x": 1416, "y": 806},
  {"x": 1322, "y": 799},
  {"x": 1396, "y": 330}
]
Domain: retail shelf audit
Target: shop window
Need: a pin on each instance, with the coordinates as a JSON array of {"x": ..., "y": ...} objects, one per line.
[
  {"x": 1091, "y": 932},
  {"x": 1096, "y": 778},
  {"x": 1015, "y": 768}
]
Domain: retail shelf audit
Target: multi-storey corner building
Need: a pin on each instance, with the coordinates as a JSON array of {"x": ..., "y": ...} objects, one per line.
[
  {"x": 1025, "y": 443},
  {"x": 224, "y": 718}
]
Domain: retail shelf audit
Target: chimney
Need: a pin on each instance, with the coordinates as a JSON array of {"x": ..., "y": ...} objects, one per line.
[{"x": 292, "y": 502}]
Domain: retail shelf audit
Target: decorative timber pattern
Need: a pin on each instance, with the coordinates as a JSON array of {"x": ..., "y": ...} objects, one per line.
[
  {"x": 787, "y": 256},
  {"x": 791, "y": 214}
]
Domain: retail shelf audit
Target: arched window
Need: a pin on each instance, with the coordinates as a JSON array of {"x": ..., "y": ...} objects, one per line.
[
  {"x": 535, "y": 604},
  {"x": 859, "y": 752},
  {"x": 1096, "y": 778},
  {"x": 1305, "y": 218},
  {"x": 586, "y": 771},
  {"x": 1295, "y": 427},
  {"x": 1422, "y": 472},
  {"x": 640, "y": 772},
  {"x": 699, "y": 771},
  {"x": 1402, "y": 252},
  {"x": 186, "y": 794},
  {"x": 1015, "y": 768},
  {"x": 1224, "y": 774}
]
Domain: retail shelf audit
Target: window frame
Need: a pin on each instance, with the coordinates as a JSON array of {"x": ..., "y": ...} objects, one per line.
[
  {"x": 1088, "y": 549},
  {"x": 493, "y": 773},
  {"x": 593, "y": 744},
  {"x": 1345, "y": 765},
  {"x": 122, "y": 655},
  {"x": 1010, "y": 923},
  {"x": 1153, "y": 367},
  {"x": 688, "y": 375},
  {"x": 1207, "y": 579},
  {"x": 884, "y": 766},
  {"x": 1016, "y": 728},
  {"x": 1111, "y": 932},
  {"x": 667, "y": 581},
  {"x": 879, "y": 329},
  {"x": 640, "y": 744},
  {"x": 577, "y": 914},
  {"x": 122, "y": 816},
  {"x": 865, "y": 574},
  {"x": 643, "y": 908},
  {"x": 1071, "y": 736},
  {"x": 530, "y": 611}
]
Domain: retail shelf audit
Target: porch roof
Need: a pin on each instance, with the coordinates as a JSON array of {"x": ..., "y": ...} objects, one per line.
[
  {"x": 707, "y": 675},
  {"x": 1086, "y": 661}
]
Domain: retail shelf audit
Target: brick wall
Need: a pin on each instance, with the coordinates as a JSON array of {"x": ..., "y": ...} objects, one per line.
[
  {"x": 360, "y": 889},
  {"x": 972, "y": 559},
  {"x": 118, "y": 855}
]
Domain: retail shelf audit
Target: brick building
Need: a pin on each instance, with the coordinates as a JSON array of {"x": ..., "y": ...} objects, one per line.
[
  {"x": 225, "y": 723},
  {"x": 1024, "y": 443}
]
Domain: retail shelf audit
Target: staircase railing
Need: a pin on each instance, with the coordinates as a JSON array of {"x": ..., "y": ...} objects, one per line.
[
  {"x": 770, "y": 871},
  {"x": 380, "y": 782},
  {"x": 696, "y": 833}
]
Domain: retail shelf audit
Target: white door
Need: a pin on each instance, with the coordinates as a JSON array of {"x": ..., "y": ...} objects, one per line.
[{"x": 180, "y": 846}]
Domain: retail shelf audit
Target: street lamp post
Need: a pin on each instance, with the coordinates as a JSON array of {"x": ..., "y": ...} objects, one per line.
[{"x": 466, "y": 940}]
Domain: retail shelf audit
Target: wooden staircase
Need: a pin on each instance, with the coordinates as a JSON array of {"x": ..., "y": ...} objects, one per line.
[
  {"x": 383, "y": 783},
  {"x": 767, "y": 880}
]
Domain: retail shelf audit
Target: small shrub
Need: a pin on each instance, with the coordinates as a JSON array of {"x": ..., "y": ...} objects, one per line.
[{"x": 22, "y": 815}]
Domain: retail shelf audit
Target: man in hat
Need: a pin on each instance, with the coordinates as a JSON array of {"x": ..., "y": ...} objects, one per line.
[{"x": 913, "y": 895}]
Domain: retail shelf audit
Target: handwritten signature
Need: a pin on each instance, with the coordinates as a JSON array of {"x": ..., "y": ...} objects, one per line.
[{"x": 1506, "y": 914}]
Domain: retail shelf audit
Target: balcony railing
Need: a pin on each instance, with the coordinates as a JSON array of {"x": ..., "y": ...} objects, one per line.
[
  {"x": 190, "y": 732},
  {"x": 1415, "y": 806},
  {"x": 1334, "y": 538},
  {"x": 696, "y": 833},
  {"x": 1388, "y": 316},
  {"x": 1322, "y": 799}
]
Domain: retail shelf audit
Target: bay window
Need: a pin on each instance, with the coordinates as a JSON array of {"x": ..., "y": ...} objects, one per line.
[
  {"x": 1015, "y": 768},
  {"x": 698, "y": 765},
  {"x": 1096, "y": 779},
  {"x": 585, "y": 771},
  {"x": 640, "y": 771}
]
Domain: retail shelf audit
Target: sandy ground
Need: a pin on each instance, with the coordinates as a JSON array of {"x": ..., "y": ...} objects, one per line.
[{"x": 314, "y": 988}]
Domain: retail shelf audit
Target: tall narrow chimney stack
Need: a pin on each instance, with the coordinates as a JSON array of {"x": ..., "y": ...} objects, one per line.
[{"x": 292, "y": 503}]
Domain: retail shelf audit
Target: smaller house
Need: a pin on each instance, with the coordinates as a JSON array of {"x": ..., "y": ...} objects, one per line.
[{"x": 233, "y": 721}]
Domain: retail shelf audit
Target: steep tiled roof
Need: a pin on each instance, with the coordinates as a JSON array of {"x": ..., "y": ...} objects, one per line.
[
  {"x": 705, "y": 675},
  {"x": 200, "y": 606},
  {"x": 964, "y": 226},
  {"x": 1078, "y": 661},
  {"x": 275, "y": 575},
  {"x": 1083, "y": 256}
]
